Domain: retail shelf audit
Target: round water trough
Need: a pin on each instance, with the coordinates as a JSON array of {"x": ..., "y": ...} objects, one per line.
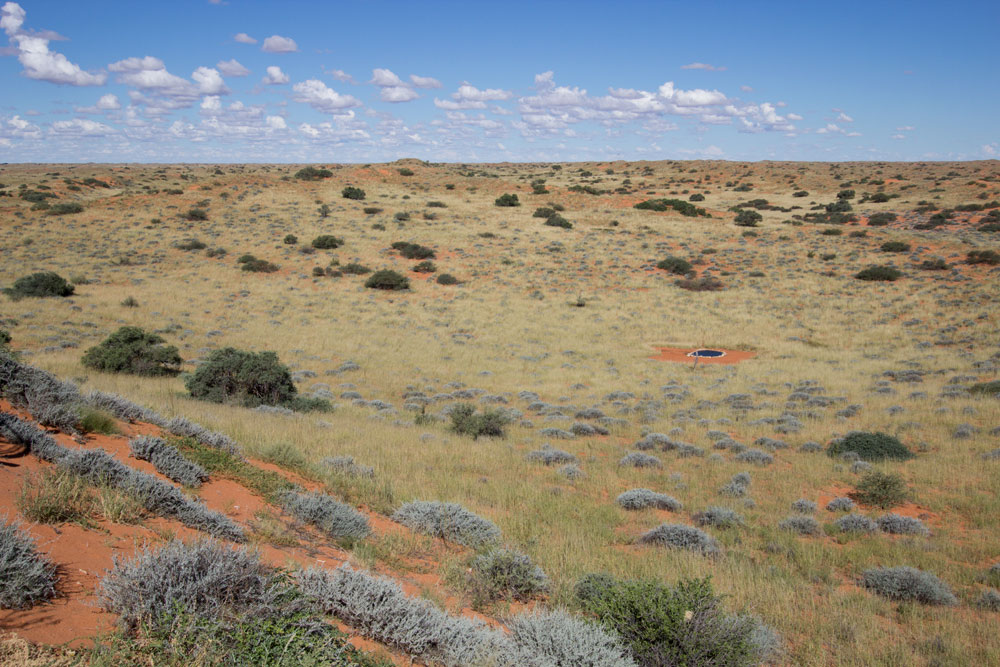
[{"x": 706, "y": 354}]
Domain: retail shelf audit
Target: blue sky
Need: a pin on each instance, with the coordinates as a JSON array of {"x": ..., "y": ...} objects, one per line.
[{"x": 476, "y": 81}]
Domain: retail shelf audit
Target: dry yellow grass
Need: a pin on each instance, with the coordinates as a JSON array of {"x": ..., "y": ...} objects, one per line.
[{"x": 510, "y": 327}]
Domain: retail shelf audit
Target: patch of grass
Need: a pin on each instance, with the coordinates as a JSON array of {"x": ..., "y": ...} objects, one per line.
[
  {"x": 56, "y": 496},
  {"x": 93, "y": 420},
  {"x": 268, "y": 484}
]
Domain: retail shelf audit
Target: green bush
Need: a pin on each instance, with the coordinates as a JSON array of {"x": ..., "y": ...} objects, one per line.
[
  {"x": 388, "y": 279},
  {"x": 290, "y": 239},
  {"x": 327, "y": 242},
  {"x": 990, "y": 257},
  {"x": 683, "y": 207},
  {"x": 41, "y": 284},
  {"x": 242, "y": 378},
  {"x": 504, "y": 574},
  {"x": 64, "y": 209},
  {"x": 371, "y": 210},
  {"x": 684, "y": 624},
  {"x": 132, "y": 350},
  {"x": 879, "y": 273},
  {"x": 895, "y": 246},
  {"x": 702, "y": 284},
  {"x": 697, "y": 197},
  {"x": 351, "y": 192},
  {"x": 196, "y": 214},
  {"x": 355, "y": 269},
  {"x": 881, "y": 219},
  {"x": 543, "y": 212},
  {"x": 466, "y": 421},
  {"x": 93, "y": 420},
  {"x": 447, "y": 279},
  {"x": 312, "y": 174},
  {"x": 676, "y": 265},
  {"x": 507, "y": 200},
  {"x": 746, "y": 218},
  {"x": 558, "y": 221},
  {"x": 255, "y": 265},
  {"x": 880, "y": 489},
  {"x": 870, "y": 447},
  {"x": 405, "y": 171},
  {"x": 425, "y": 266},
  {"x": 413, "y": 250},
  {"x": 190, "y": 244}
]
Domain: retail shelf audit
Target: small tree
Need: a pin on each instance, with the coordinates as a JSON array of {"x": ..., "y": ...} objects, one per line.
[
  {"x": 388, "y": 280},
  {"x": 324, "y": 211},
  {"x": 41, "y": 284},
  {"x": 507, "y": 200},
  {"x": 746, "y": 218},
  {"x": 351, "y": 192},
  {"x": 132, "y": 350},
  {"x": 327, "y": 242},
  {"x": 312, "y": 174},
  {"x": 245, "y": 378}
]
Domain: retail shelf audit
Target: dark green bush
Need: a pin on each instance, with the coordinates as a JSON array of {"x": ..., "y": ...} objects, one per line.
[
  {"x": 327, "y": 242},
  {"x": 507, "y": 200},
  {"x": 447, "y": 279},
  {"x": 881, "y": 489},
  {"x": 746, "y": 218},
  {"x": 683, "y": 207},
  {"x": 543, "y": 212},
  {"x": 879, "y": 273},
  {"x": 196, "y": 214},
  {"x": 558, "y": 221},
  {"x": 290, "y": 239},
  {"x": 936, "y": 264},
  {"x": 404, "y": 171},
  {"x": 351, "y": 192},
  {"x": 676, "y": 265},
  {"x": 684, "y": 624},
  {"x": 988, "y": 388},
  {"x": 702, "y": 284},
  {"x": 881, "y": 219},
  {"x": 425, "y": 266},
  {"x": 255, "y": 265},
  {"x": 697, "y": 197},
  {"x": 243, "y": 378},
  {"x": 132, "y": 350},
  {"x": 800, "y": 193},
  {"x": 355, "y": 269},
  {"x": 388, "y": 279},
  {"x": 65, "y": 209},
  {"x": 41, "y": 284},
  {"x": 990, "y": 257},
  {"x": 870, "y": 447},
  {"x": 371, "y": 210},
  {"x": 504, "y": 574},
  {"x": 312, "y": 174},
  {"x": 895, "y": 246},
  {"x": 190, "y": 244},
  {"x": 466, "y": 421},
  {"x": 413, "y": 250}
]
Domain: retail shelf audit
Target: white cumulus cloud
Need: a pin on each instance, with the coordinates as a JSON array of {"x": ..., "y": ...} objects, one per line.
[
  {"x": 274, "y": 76},
  {"x": 424, "y": 81},
  {"x": 38, "y": 60},
  {"x": 231, "y": 68},
  {"x": 244, "y": 38},
  {"x": 319, "y": 96},
  {"x": 279, "y": 44}
]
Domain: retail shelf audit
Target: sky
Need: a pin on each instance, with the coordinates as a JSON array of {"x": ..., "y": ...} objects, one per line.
[{"x": 479, "y": 81}]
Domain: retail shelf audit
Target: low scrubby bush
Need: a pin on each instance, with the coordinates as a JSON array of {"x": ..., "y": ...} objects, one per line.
[
  {"x": 682, "y": 624},
  {"x": 351, "y": 192},
  {"x": 550, "y": 456},
  {"x": 505, "y": 574},
  {"x": 449, "y": 521},
  {"x": 881, "y": 489},
  {"x": 167, "y": 460},
  {"x": 879, "y": 273},
  {"x": 413, "y": 250},
  {"x": 313, "y": 174},
  {"x": 241, "y": 377},
  {"x": 466, "y": 421},
  {"x": 387, "y": 279},
  {"x": 989, "y": 257},
  {"x": 554, "y": 637},
  {"x": 676, "y": 265},
  {"x": 640, "y": 460},
  {"x": 906, "y": 584},
  {"x": 870, "y": 447},
  {"x": 132, "y": 350},
  {"x": 720, "y": 517},
  {"x": 896, "y": 524},
  {"x": 755, "y": 456},
  {"x": 327, "y": 242},
  {"x": 639, "y": 499},
  {"x": 39, "y": 285},
  {"x": 801, "y": 524},
  {"x": 855, "y": 523},
  {"x": 701, "y": 284},
  {"x": 336, "y": 519},
  {"x": 507, "y": 200},
  {"x": 991, "y": 388},
  {"x": 680, "y": 536},
  {"x": 425, "y": 266},
  {"x": 747, "y": 218},
  {"x": 26, "y": 576},
  {"x": 841, "y": 504},
  {"x": 447, "y": 279},
  {"x": 895, "y": 246}
]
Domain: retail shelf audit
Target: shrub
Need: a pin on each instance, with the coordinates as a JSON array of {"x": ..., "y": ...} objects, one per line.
[
  {"x": 50, "y": 401},
  {"x": 56, "y": 496},
  {"x": 738, "y": 486},
  {"x": 702, "y": 284},
  {"x": 907, "y": 583},
  {"x": 683, "y": 624},
  {"x": 697, "y": 196},
  {"x": 425, "y": 266},
  {"x": 855, "y": 523},
  {"x": 747, "y": 218},
  {"x": 881, "y": 489},
  {"x": 351, "y": 192},
  {"x": 638, "y": 499},
  {"x": 986, "y": 388},
  {"x": 840, "y": 505},
  {"x": 803, "y": 525},
  {"x": 989, "y": 600},
  {"x": 405, "y": 171},
  {"x": 241, "y": 377},
  {"x": 504, "y": 574},
  {"x": 683, "y": 207},
  {"x": 96, "y": 421},
  {"x": 870, "y": 447},
  {"x": 339, "y": 521},
  {"x": 936, "y": 264},
  {"x": 803, "y": 506},
  {"x": 387, "y": 279},
  {"x": 990, "y": 257},
  {"x": 255, "y": 265},
  {"x": 879, "y": 273},
  {"x": 447, "y": 279},
  {"x": 355, "y": 269},
  {"x": 448, "y": 521},
  {"x": 896, "y": 524},
  {"x": 507, "y": 200},
  {"x": 313, "y": 174},
  {"x": 543, "y": 212},
  {"x": 721, "y": 517},
  {"x": 196, "y": 215},
  {"x": 675, "y": 265},
  {"x": 680, "y": 536},
  {"x": 465, "y": 421},
  {"x": 290, "y": 239},
  {"x": 895, "y": 246},
  {"x": 132, "y": 350},
  {"x": 755, "y": 456},
  {"x": 64, "y": 209},
  {"x": 167, "y": 460},
  {"x": 554, "y": 637},
  {"x": 881, "y": 219},
  {"x": 548, "y": 455},
  {"x": 413, "y": 250},
  {"x": 327, "y": 242},
  {"x": 558, "y": 221},
  {"x": 371, "y": 210},
  {"x": 41, "y": 284},
  {"x": 190, "y": 244},
  {"x": 28, "y": 577},
  {"x": 640, "y": 460}
]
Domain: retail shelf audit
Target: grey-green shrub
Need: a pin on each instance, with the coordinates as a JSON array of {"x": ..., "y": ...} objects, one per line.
[
  {"x": 449, "y": 521},
  {"x": 638, "y": 499},
  {"x": 505, "y": 574},
  {"x": 336, "y": 519},
  {"x": 908, "y": 583},
  {"x": 549, "y": 456},
  {"x": 554, "y": 637},
  {"x": 803, "y": 525},
  {"x": 897, "y": 524},
  {"x": 722, "y": 517},
  {"x": 856, "y": 523},
  {"x": 680, "y": 536},
  {"x": 842, "y": 504},
  {"x": 26, "y": 576},
  {"x": 640, "y": 460},
  {"x": 167, "y": 460}
]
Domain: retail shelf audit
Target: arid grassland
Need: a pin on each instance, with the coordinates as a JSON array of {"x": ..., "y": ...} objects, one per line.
[{"x": 549, "y": 331}]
